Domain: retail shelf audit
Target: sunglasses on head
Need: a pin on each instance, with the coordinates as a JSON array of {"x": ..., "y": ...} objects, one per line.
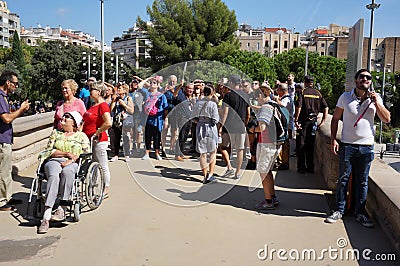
[{"x": 368, "y": 77}]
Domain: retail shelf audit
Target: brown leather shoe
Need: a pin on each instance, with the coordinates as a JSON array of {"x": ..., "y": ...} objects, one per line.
[
  {"x": 44, "y": 227},
  {"x": 6, "y": 207}
]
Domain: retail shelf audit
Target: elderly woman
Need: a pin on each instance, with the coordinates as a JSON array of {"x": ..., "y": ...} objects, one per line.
[
  {"x": 121, "y": 105},
  {"x": 97, "y": 122},
  {"x": 62, "y": 152},
  {"x": 154, "y": 108},
  {"x": 206, "y": 113},
  {"x": 70, "y": 102}
]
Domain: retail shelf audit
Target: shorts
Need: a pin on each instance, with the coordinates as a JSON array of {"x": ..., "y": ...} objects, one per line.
[
  {"x": 235, "y": 140},
  {"x": 266, "y": 156}
]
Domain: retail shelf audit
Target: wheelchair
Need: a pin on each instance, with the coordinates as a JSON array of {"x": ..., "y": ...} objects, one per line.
[{"x": 87, "y": 190}]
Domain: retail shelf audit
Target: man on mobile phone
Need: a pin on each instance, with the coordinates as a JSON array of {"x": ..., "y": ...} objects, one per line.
[
  {"x": 8, "y": 84},
  {"x": 356, "y": 150}
]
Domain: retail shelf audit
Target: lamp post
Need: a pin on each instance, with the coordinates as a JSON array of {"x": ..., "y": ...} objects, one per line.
[
  {"x": 387, "y": 67},
  {"x": 89, "y": 63},
  {"x": 307, "y": 44},
  {"x": 371, "y": 7},
  {"x": 102, "y": 40},
  {"x": 117, "y": 58}
]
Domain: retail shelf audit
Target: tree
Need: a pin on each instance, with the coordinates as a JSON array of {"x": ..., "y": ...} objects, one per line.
[
  {"x": 17, "y": 55},
  {"x": 255, "y": 65},
  {"x": 184, "y": 31}
]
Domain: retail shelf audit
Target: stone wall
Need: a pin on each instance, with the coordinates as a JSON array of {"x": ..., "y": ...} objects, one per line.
[{"x": 30, "y": 137}]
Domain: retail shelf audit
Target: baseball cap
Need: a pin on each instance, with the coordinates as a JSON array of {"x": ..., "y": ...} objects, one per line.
[
  {"x": 308, "y": 79},
  {"x": 92, "y": 79},
  {"x": 77, "y": 117}
]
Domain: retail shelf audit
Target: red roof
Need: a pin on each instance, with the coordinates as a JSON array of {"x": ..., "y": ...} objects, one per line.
[{"x": 273, "y": 30}]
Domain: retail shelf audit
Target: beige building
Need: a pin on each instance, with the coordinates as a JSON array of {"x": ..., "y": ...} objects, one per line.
[
  {"x": 9, "y": 23},
  {"x": 31, "y": 36},
  {"x": 268, "y": 41},
  {"x": 133, "y": 45}
]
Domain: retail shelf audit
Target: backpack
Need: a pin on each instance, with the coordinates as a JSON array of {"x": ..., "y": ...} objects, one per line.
[
  {"x": 150, "y": 105},
  {"x": 281, "y": 120}
]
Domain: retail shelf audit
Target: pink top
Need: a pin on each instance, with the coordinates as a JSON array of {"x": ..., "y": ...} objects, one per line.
[{"x": 62, "y": 108}]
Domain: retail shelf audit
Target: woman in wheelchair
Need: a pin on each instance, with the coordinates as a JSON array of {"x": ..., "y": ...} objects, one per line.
[{"x": 61, "y": 153}]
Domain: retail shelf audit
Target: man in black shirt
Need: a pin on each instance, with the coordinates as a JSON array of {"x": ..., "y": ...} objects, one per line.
[
  {"x": 310, "y": 103},
  {"x": 234, "y": 118}
]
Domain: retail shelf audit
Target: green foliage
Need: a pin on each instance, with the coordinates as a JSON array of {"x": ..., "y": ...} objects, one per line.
[
  {"x": 255, "y": 65},
  {"x": 17, "y": 55},
  {"x": 185, "y": 31}
]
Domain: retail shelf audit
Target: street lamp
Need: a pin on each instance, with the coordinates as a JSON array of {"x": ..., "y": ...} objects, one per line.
[
  {"x": 117, "y": 65},
  {"x": 387, "y": 67},
  {"x": 102, "y": 40},
  {"x": 307, "y": 44},
  {"x": 89, "y": 64},
  {"x": 371, "y": 7}
]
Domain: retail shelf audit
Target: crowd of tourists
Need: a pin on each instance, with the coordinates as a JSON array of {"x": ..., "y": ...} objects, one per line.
[{"x": 232, "y": 117}]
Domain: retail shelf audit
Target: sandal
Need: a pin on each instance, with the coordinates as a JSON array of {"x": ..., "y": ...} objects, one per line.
[{"x": 106, "y": 196}]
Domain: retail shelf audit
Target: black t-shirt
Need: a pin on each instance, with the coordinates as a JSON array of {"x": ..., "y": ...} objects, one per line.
[
  {"x": 237, "y": 102},
  {"x": 311, "y": 103}
]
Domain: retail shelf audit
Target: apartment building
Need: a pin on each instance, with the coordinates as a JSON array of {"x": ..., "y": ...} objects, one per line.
[
  {"x": 31, "y": 36},
  {"x": 9, "y": 23},
  {"x": 133, "y": 46}
]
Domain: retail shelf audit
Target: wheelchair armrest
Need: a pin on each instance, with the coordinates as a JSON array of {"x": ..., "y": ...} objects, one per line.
[{"x": 85, "y": 155}]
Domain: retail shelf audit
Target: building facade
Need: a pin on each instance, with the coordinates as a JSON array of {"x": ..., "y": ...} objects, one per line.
[
  {"x": 133, "y": 45},
  {"x": 9, "y": 24},
  {"x": 31, "y": 36}
]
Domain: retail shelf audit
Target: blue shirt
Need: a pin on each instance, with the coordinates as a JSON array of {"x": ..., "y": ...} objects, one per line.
[
  {"x": 6, "y": 130},
  {"x": 84, "y": 93}
]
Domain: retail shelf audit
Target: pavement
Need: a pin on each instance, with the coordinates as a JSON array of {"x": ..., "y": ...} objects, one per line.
[{"x": 160, "y": 213}]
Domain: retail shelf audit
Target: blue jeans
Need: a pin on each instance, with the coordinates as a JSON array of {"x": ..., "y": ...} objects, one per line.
[{"x": 354, "y": 159}]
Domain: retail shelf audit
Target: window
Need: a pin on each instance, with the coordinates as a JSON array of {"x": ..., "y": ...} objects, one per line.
[
  {"x": 322, "y": 45},
  {"x": 266, "y": 43},
  {"x": 294, "y": 44},
  {"x": 275, "y": 44},
  {"x": 258, "y": 46},
  {"x": 322, "y": 53},
  {"x": 285, "y": 44},
  {"x": 248, "y": 44}
]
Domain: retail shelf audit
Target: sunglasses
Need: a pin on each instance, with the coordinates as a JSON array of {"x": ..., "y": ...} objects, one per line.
[
  {"x": 67, "y": 116},
  {"x": 153, "y": 82},
  {"x": 255, "y": 83},
  {"x": 14, "y": 82},
  {"x": 64, "y": 88},
  {"x": 362, "y": 76}
]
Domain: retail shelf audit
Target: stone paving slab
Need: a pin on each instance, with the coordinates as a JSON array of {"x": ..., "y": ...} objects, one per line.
[{"x": 159, "y": 213}]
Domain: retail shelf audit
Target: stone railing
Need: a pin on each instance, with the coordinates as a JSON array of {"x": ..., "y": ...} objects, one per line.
[
  {"x": 30, "y": 137},
  {"x": 383, "y": 202}
]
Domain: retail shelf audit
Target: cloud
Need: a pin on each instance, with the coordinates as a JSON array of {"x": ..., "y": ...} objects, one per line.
[{"x": 61, "y": 11}]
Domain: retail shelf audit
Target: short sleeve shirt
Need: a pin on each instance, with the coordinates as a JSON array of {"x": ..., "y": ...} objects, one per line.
[
  {"x": 311, "y": 102},
  {"x": 363, "y": 133},
  {"x": 6, "y": 131},
  {"x": 94, "y": 119},
  {"x": 236, "y": 100},
  {"x": 62, "y": 108}
]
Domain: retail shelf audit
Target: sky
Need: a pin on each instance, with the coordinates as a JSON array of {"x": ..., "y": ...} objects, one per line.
[{"x": 119, "y": 15}]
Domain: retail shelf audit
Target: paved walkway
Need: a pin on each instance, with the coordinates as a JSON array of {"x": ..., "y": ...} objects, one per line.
[{"x": 159, "y": 213}]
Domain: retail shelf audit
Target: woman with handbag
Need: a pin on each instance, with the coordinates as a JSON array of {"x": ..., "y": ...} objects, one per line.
[
  {"x": 121, "y": 105},
  {"x": 205, "y": 112}
]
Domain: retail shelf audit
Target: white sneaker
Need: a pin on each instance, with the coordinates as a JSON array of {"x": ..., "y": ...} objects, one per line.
[
  {"x": 127, "y": 159},
  {"x": 114, "y": 159},
  {"x": 334, "y": 217}
]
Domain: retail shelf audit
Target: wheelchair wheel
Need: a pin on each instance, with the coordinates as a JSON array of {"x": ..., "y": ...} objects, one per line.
[
  {"x": 38, "y": 208},
  {"x": 77, "y": 211},
  {"x": 94, "y": 185}
]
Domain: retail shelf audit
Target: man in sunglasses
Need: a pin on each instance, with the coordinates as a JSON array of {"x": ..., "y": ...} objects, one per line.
[
  {"x": 356, "y": 150},
  {"x": 8, "y": 84}
]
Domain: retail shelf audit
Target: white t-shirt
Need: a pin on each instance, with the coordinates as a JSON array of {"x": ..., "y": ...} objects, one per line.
[
  {"x": 288, "y": 103},
  {"x": 363, "y": 133}
]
